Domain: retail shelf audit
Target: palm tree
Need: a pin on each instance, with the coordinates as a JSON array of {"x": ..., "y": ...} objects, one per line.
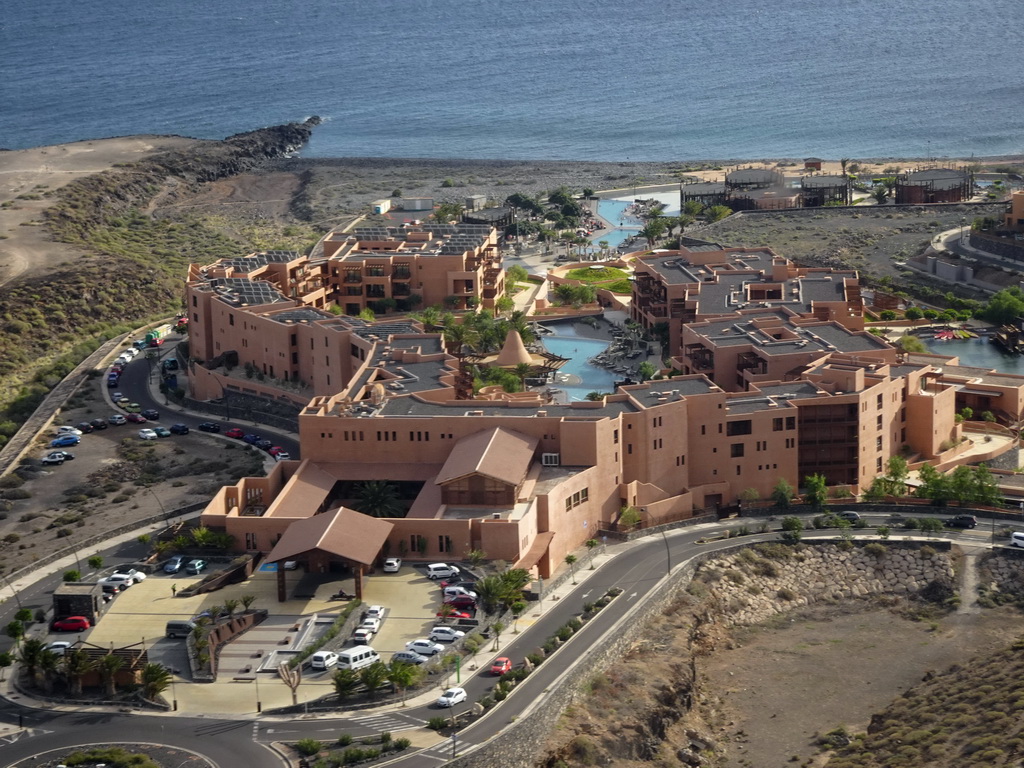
[
  {"x": 76, "y": 665},
  {"x": 570, "y": 560},
  {"x": 345, "y": 682},
  {"x": 446, "y": 611},
  {"x": 522, "y": 370},
  {"x": 108, "y": 667},
  {"x": 155, "y": 680},
  {"x": 231, "y": 605},
  {"x": 457, "y": 336},
  {"x": 652, "y": 230},
  {"x": 379, "y": 498},
  {"x": 31, "y": 652},
  {"x": 247, "y": 601},
  {"x": 843, "y": 163},
  {"x": 374, "y": 676},
  {"x": 49, "y": 664},
  {"x": 403, "y": 675}
]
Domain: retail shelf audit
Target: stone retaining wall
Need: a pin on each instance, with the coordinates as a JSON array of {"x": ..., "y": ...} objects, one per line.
[{"x": 832, "y": 568}]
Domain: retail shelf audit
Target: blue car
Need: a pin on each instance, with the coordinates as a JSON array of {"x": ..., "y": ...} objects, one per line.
[
  {"x": 252, "y": 439},
  {"x": 65, "y": 440}
]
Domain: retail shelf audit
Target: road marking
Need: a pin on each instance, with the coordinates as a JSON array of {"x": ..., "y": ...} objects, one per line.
[
  {"x": 387, "y": 722},
  {"x": 585, "y": 595},
  {"x": 27, "y": 733},
  {"x": 632, "y": 596}
]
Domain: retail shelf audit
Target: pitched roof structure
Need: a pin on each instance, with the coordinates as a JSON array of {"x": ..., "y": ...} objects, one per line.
[
  {"x": 342, "y": 532},
  {"x": 513, "y": 351},
  {"x": 498, "y": 453}
]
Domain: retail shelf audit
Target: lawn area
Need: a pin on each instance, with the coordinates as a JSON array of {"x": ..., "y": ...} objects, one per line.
[{"x": 609, "y": 278}]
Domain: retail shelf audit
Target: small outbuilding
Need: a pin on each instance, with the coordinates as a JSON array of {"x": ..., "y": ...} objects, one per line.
[{"x": 812, "y": 163}]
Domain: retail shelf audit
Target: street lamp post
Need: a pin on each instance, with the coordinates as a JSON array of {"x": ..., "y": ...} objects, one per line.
[
  {"x": 17, "y": 598},
  {"x": 259, "y": 704}
]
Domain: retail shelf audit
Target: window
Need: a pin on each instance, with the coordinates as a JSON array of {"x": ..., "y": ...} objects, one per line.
[
  {"x": 629, "y": 448},
  {"x": 878, "y": 422},
  {"x": 736, "y": 450},
  {"x": 734, "y": 428},
  {"x": 878, "y": 464},
  {"x": 776, "y": 425},
  {"x": 878, "y": 402},
  {"x": 878, "y": 443},
  {"x": 295, "y": 339},
  {"x": 703, "y": 429},
  {"x": 195, "y": 302},
  {"x": 231, "y": 319},
  {"x": 615, "y": 437},
  {"x": 790, "y": 422}
]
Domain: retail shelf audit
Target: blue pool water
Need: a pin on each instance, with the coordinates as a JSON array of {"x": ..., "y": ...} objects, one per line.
[
  {"x": 579, "y": 350},
  {"x": 614, "y": 211},
  {"x": 978, "y": 353}
]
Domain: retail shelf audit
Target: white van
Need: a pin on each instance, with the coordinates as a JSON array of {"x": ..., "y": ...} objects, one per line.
[
  {"x": 1017, "y": 539},
  {"x": 357, "y": 657}
]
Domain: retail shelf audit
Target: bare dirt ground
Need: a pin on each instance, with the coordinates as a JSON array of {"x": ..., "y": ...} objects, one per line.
[
  {"x": 28, "y": 175},
  {"x": 768, "y": 690}
]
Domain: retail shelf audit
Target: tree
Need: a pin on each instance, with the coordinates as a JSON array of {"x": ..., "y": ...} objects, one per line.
[
  {"x": 231, "y": 605},
  {"x": 880, "y": 194},
  {"x": 108, "y": 667},
  {"x": 247, "y": 601},
  {"x": 522, "y": 370},
  {"x": 792, "y": 529},
  {"x": 345, "y": 682},
  {"x": 717, "y": 213},
  {"x": 6, "y": 660},
  {"x": 817, "y": 491},
  {"x": 155, "y": 680},
  {"x": 646, "y": 371},
  {"x": 750, "y": 496},
  {"x": 843, "y": 163},
  {"x": 95, "y": 562},
  {"x": 629, "y": 516},
  {"x": 653, "y": 230},
  {"x": 592, "y": 544},
  {"x": 985, "y": 488},
  {"x": 782, "y": 494},
  {"x": 71, "y": 576},
  {"x": 596, "y": 397},
  {"x": 31, "y": 654},
  {"x": 910, "y": 344},
  {"x": 49, "y": 664},
  {"x": 505, "y": 304},
  {"x": 403, "y": 675},
  {"x": 24, "y": 615},
  {"x": 570, "y": 560},
  {"x": 373, "y": 677},
  {"x": 446, "y": 611},
  {"x": 446, "y": 212},
  {"x": 497, "y": 627},
  {"x": 15, "y": 630},
  {"x": 76, "y": 665},
  {"x": 913, "y": 313},
  {"x": 378, "y": 498},
  {"x": 693, "y": 208},
  {"x": 934, "y": 486}
]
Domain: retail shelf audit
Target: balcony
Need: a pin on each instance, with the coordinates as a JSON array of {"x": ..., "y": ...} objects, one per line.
[{"x": 353, "y": 277}]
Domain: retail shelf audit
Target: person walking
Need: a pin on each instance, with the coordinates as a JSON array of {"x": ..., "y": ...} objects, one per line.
[{"x": 174, "y": 590}]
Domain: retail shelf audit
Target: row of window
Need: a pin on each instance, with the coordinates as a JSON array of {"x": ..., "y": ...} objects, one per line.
[{"x": 577, "y": 498}]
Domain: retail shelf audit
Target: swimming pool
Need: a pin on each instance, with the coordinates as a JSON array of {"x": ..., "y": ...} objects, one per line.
[{"x": 579, "y": 350}]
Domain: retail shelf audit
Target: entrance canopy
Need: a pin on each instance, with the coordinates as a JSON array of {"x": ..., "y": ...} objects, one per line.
[{"x": 342, "y": 533}]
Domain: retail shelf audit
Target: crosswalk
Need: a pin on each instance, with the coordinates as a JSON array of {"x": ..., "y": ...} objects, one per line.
[{"x": 390, "y": 722}]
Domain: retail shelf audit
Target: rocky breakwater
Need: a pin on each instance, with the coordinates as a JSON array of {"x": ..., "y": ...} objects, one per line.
[{"x": 755, "y": 583}]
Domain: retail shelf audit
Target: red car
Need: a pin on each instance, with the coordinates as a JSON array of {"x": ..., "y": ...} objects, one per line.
[
  {"x": 463, "y": 602},
  {"x": 71, "y": 624},
  {"x": 235, "y": 432},
  {"x": 454, "y": 615},
  {"x": 501, "y": 665},
  {"x": 136, "y": 418}
]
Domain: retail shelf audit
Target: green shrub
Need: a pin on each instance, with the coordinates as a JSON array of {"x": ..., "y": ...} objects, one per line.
[
  {"x": 400, "y": 744},
  {"x": 15, "y": 494},
  {"x": 344, "y": 739},
  {"x": 876, "y": 549},
  {"x": 308, "y": 747},
  {"x": 437, "y": 723}
]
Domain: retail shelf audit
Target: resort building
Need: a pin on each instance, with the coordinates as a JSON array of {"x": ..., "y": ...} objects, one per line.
[
  {"x": 934, "y": 185},
  {"x": 699, "y": 282}
]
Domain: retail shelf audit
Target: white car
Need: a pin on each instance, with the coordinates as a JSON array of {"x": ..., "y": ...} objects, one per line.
[
  {"x": 117, "y": 420},
  {"x": 371, "y": 624},
  {"x": 131, "y": 573},
  {"x": 376, "y": 612},
  {"x": 441, "y": 571},
  {"x": 451, "y": 697},
  {"x": 69, "y": 431},
  {"x": 362, "y": 636},
  {"x": 392, "y": 565},
  {"x": 445, "y": 634},
  {"x": 458, "y": 592},
  {"x": 424, "y": 647},
  {"x": 122, "y": 580},
  {"x": 147, "y": 434},
  {"x": 323, "y": 660},
  {"x": 59, "y": 648}
]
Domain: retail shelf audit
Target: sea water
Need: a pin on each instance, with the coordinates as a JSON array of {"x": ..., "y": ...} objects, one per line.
[{"x": 571, "y": 79}]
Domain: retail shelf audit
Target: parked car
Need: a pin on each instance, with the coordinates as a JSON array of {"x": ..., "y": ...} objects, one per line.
[
  {"x": 424, "y": 647},
  {"x": 445, "y": 634},
  {"x": 451, "y": 697},
  {"x": 147, "y": 434},
  {"x": 59, "y": 647},
  {"x": 117, "y": 419},
  {"x": 501, "y": 665},
  {"x": 456, "y": 591},
  {"x": 462, "y": 602},
  {"x": 98, "y": 424},
  {"x": 376, "y": 612},
  {"x": 122, "y": 580},
  {"x": 323, "y": 660},
  {"x": 236, "y": 433},
  {"x": 134, "y": 575},
  {"x": 467, "y": 585},
  {"x": 454, "y": 614},
  {"x": 136, "y": 418},
  {"x": 392, "y": 565},
  {"x": 371, "y": 624},
  {"x": 71, "y": 624},
  {"x": 962, "y": 521},
  {"x": 162, "y": 431},
  {"x": 848, "y": 516},
  {"x": 179, "y": 429},
  {"x": 175, "y": 564},
  {"x": 195, "y": 567},
  {"x": 84, "y": 427},
  {"x": 209, "y": 426},
  {"x": 132, "y": 407},
  {"x": 140, "y": 344},
  {"x": 57, "y": 457},
  {"x": 441, "y": 571},
  {"x": 152, "y": 414},
  {"x": 68, "y": 430},
  {"x": 281, "y": 455},
  {"x": 251, "y": 439},
  {"x": 409, "y": 657},
  {"x": 362, "y": 635},
  {"x": 65, "y": 440},
  {"x": 264, "y": 445}
]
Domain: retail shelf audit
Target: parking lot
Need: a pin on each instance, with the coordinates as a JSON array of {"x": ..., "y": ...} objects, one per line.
[{"x": 140, "y": 613}]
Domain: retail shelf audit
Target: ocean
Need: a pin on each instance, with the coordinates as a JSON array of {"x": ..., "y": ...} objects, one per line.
[{"x": 560, "y": 79}]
